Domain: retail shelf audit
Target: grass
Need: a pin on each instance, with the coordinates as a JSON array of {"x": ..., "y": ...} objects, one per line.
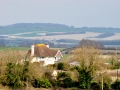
[
  {"x": 15, "y": 48},
  {"x": 58, "y": 48}
]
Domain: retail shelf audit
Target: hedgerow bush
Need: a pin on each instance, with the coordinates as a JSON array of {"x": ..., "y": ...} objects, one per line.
[{"x": 45, "y": 83}]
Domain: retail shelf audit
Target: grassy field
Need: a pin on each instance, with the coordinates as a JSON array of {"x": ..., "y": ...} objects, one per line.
[{"x": 16, "y": 48}]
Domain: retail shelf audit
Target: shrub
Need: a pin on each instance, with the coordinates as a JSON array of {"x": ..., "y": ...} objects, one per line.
[
  {"x": 15, "y": 75},
  {"x": 68, "y": 82},
  {"x": 116, "y": 85},
  {"x": 45, "y": 83},
  {"x": 60, "y": 66},
  {"x": 95, "y": 86},
  {"x": 64, "y": 80},
  {"x": 63, "y": 66}
]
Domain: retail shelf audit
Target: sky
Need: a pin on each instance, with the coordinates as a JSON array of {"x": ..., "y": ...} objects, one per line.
[{"x": 77, "y": 13}]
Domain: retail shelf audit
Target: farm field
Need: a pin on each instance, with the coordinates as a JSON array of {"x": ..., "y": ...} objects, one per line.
[{"x": 15, "y": 48}]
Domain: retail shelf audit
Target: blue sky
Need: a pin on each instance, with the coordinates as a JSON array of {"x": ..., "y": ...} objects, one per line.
[{"x": 79, "y": 13}]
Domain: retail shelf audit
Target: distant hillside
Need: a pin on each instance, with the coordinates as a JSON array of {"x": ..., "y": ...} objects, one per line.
[
  {"x": 39, "y": 25},
  {"x": 60, "y": 35},
  {"x": 54, "y": 28},
  {"x": 26, "y": 30},
  {"x": 104, "y": 35},
  {"x": 59, "y": 25}
]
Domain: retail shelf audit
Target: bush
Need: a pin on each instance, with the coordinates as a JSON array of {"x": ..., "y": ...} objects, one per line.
[
  {"x": 68, "y": 82},
  {"x": 116, "y": 85},
  {"x": 95, "y": 86},
  {"x": 63, "y": 66},
  {"x": 64, "y": 80},
  {"x": 15, "y": 75},
  {"x": 60, "y": 66},
  {"x": 45, "y": 83}
]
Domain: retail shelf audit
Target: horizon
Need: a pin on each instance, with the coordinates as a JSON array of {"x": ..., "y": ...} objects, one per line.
[
  {"x": 77, "y": 13},
  {"x": 58, "y": 24}
]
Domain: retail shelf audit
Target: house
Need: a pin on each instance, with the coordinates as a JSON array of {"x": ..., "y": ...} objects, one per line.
[{"x": 42, "y": 53}]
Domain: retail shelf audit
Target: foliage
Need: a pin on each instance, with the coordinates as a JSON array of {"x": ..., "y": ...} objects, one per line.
[
  {"x": 88, "y": 57},
  {"x": 64, "y": 80},
  {"x": 95, "y": 86},
  {"x": 116, "y": 85},
  {"x": 12, "y": 55},
  {"x": 84, "y": 78},
  {"x": 63, "y": 66},
  {"x": 113, "y": 62},
  {"x": 60, "y": 66},
  {"x": 45, "y": 83},
  {"x": 68, "y": 82},
  {"x": 89, "y": 43},
  {"x": 15, "y": 75},
  {"x": 105, "y": 77}
]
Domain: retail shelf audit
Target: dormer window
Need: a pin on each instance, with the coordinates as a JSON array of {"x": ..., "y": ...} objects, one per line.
[{"x": 42, "y": 50}]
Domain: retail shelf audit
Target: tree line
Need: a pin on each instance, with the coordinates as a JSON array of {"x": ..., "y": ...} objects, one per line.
[{"x": 15, "y": 73}]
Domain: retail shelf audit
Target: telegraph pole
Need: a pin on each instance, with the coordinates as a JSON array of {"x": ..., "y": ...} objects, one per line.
[{"x": 117, "y": 67}]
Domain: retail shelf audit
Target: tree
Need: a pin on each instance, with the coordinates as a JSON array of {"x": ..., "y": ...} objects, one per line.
[
  {"x": 16, "y": 75},
  {"x": 104, "y": 80},
  {"x": 89, "y": 43},
  {"x": 88, "y": 57},
  {"x": 64, "y": 80}
]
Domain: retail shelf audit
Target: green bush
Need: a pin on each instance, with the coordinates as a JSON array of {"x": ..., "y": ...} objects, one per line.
[
  {"x": 60, "y": 66},
  {"x": 63, "y": 66},
  {"x": 68, "y": 82},
  {"x": 64, "y": 80},
  {"x": 15, "y": 75},
  {"x": 45, "y": 83},
  {"x": 85, "y": 78}
]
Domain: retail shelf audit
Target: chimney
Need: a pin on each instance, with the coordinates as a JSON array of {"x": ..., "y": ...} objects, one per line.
[
  {"x": 47, "y": 45},
  {"x": 32, "y": 50}
]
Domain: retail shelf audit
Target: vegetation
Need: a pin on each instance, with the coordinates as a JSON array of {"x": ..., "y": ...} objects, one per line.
[
  {"x": 116, "y": 85},
  {"x": 91, "y": 43},
  {"x": 89, "y": 61},
  {"x": 15, "y": 73}
]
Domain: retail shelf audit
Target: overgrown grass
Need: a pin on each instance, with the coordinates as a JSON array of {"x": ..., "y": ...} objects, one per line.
[
  {"x": 15, "y": 48},
  {"x": 58, "y": 48}
]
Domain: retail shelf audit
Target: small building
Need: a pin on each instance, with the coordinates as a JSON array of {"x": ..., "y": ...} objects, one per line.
[{"x": 42, "y": 53}]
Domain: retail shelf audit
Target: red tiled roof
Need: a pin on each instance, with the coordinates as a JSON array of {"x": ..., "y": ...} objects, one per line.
[{"x": 43, "y": 51}]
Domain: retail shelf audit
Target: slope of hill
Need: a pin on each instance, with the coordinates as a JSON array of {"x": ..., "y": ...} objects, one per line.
[
  {"x": 38, "y": 25},
  {"x": 49, "y": 27},
  {"x": 55, "y": 33}
]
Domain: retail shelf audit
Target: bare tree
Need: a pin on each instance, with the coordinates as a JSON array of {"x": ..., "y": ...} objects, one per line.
[
  {"x": 89, "y": 43},
  {"x": 89, "y": 58}
]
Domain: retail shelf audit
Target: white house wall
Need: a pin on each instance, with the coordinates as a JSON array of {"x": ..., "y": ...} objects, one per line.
[
  {"x": 47, "y": 61},
  {"x": 34, "y": 59}
]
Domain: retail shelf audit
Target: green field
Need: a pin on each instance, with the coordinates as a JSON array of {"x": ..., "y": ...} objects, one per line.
[
  {"x": 15, "y": 48},
  {"x": 34, "y": 30}
]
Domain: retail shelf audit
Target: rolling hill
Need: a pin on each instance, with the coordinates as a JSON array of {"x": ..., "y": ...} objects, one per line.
[{"x": 17, "y": 34}]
